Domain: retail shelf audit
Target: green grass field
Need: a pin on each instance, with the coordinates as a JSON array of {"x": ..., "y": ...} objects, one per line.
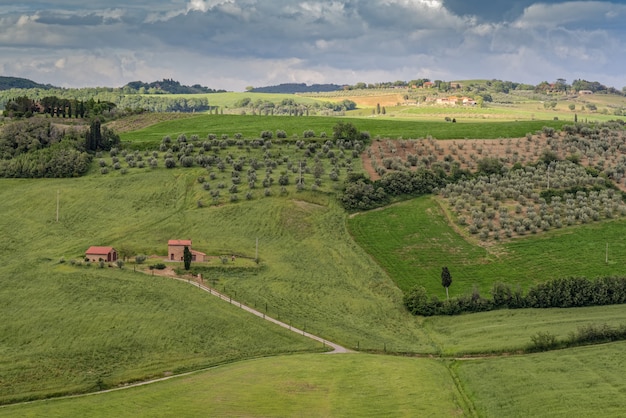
[
  {"x": 581, "y": 382},
  {"x": 69, "y": 328},
  {"x": 585, "y": 381},
  {"x": 413, "y": 240},
  {"x": 312, "y": 386},
  {"x": 252, "y": 126},
  {"x": 67, "y": 331}
]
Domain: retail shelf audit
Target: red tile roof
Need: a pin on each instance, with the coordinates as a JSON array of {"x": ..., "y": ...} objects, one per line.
[
  {"x": 99, "y": 250},
  {"x": 186, "y": 242}
]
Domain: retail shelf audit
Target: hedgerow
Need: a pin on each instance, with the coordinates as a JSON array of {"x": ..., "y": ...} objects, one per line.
[{"x": 557, "y": 293}]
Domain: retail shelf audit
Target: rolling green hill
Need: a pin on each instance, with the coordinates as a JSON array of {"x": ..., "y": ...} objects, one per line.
[{"x": 71, "y": 327}]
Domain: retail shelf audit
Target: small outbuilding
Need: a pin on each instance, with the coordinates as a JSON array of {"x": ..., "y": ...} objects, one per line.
[
  {"x": 108, "y": 254},
  {"x": 176, "y": 250}
]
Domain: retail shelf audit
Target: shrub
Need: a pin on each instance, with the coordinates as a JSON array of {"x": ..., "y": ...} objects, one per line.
[
  {"x": 543, "y": 341},
  {"x": 140, "y": 259},
  {"x": 157, "y": 266}
]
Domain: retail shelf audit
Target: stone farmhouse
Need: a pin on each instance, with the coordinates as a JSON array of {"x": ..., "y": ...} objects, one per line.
[
  {"x": 176, "y": 249},
  {"x": 94, "y": 253}
]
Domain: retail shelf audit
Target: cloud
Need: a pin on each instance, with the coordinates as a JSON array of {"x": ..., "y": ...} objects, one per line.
[
  {"x": 583, "y": 14},
  {"x": 253, "y": 42}
]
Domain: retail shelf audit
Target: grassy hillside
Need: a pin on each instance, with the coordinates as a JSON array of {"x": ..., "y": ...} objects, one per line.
[
  {"x": 72, "y": 328},
  {"x": 338, "y": 386},
  {"x": 584, "y": 381},
  {"x": 252, "y": 126},
  {"x": 312, "y": 275},
  {"x": 412, "y": 241}
]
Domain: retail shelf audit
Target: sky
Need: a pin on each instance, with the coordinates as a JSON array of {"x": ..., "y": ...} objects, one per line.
[{"x": 232, "y": 44}]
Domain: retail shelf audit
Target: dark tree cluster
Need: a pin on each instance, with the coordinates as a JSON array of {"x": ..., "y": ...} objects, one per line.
[
  {"x": 361, "y": 193},
  {"x": 34, "y": 148},
  {"x": 99, "y": 138},
  {"x": 557, "y": 293}
]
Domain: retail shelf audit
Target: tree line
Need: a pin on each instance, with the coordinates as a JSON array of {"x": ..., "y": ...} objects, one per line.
[
  {"x": 24, "y": 107},
  {"x": 93, "y": 102},
  {"x": 567, "y": 292},
  {"x": 291, "y": 107}
]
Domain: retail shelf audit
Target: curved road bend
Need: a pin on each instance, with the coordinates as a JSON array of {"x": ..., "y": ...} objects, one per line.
[{"x": 337, "y": 349}]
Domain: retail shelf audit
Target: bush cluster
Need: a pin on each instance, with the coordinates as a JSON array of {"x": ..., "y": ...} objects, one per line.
[
  {"x": 558, "y": 293},
  {"x": 157, "y": 266},
  {"x": 586, "y": 334},
  {"x": 360, "y": 193}
]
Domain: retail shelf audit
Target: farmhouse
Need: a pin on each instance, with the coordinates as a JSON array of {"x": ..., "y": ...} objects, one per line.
[
  {"x": 176, "y": 249},
  {"x": 468, "y": 101},
  {"x": 107, "y": 254}
]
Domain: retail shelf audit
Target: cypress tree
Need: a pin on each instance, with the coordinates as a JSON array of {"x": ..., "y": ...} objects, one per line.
[
  {"x": 187, "y": 258},
  {"x": 446, "y": 279}
]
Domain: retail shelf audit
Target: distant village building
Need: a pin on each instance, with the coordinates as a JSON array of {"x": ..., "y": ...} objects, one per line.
[
  {"x": 176, "y": 250},
  {"x": 468, "y": 101},
  {"x": 108, "y": 254},
  {"x": 452, "y": 101},
  {"x": 584, "y": 92}
]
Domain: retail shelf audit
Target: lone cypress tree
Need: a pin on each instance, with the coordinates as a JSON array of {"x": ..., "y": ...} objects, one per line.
[
  {"x": 446, "y": 280},
  {"x": 187, "y": 258}
]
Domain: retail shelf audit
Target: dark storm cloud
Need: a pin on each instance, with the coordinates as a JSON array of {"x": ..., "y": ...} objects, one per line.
[{"x": 493, "y": 11}]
